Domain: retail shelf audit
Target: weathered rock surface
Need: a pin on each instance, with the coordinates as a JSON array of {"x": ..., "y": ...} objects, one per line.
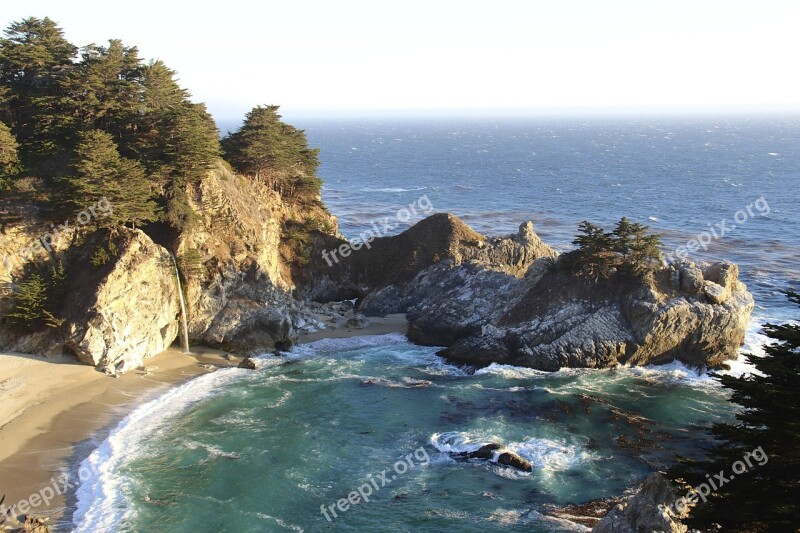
[
  {"x": 114, "y": 315},
  {"x": 649, "y": 509},
  {"x": 244, "y": 300},
  {"x": 239, "y": 293},
  {"x": 548, "y": 318},
  {"x": 394, "y": 261}
]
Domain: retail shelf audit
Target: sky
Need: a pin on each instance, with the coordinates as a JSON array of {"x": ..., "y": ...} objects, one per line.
[{"x": 505, "y": 56}]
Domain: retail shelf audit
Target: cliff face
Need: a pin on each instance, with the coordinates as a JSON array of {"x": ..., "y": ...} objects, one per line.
[
  {"x": 235, "y": 265},
  {"x": 241, "y": 296},
  {"x": 113, "y": 315},
  {"x": 394, "y": 261}
]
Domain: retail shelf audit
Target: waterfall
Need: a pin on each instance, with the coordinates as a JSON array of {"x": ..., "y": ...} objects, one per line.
[{"x": 185, "y": 328}]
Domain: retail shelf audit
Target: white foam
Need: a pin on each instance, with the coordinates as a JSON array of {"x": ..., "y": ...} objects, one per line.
[
  {"x": 512, "y": 372},
  {"x": 324, "y": 346},
  {"x": 544, "y": 454},
  {"x": 393, "y": 189},
  {"x": 102, "y": 501}
]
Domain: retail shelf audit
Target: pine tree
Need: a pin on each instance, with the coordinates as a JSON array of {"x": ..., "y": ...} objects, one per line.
[
  {"x": 766, "y": 496},
  {"x": 101, "y": 172},
  {"x": 193, "y": 144},
  {"x": 266, "y": 144},
  {"x": 103, "y": 91},
  {"x": 30, "y": 298},
  {"x": 162, "y": 97}
]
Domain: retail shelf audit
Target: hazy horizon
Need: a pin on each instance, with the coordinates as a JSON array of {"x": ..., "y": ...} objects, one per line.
[{"x": 460, "y": 58}]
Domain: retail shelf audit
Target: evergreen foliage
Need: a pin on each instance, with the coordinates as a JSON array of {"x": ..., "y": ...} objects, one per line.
[
  {"x": 271, "y": 151},
  {"x": 83, "y": 124},
  {"x": 628, "y": 248},
  {"x": 38, "y": 295},
  {"x": 9, "y": 160},
  {"x": 767, "y": 496},
  {"x": 101, "y": 172}
]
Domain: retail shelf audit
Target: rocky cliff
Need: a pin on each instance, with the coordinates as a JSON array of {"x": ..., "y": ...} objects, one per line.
[
  {"x": 512, "y": 301},
  {"x": 111, "y": 315},
  {"x": 235, "y": 264}
]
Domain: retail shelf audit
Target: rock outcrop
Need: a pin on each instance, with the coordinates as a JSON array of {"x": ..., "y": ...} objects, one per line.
[
  {"x": 237, "y": 280},
  {"x": 649, "y": 509},
  {"x": 563, "y": 322},
  {"x": 396, "y": 260},
  {"x": 114, "y": 314},
  {"x": 512, "y": 301},
  {"x": 496, "y": 453},
  {"x": 243, "y": 298},
  {"x": 485, "y": 299}
]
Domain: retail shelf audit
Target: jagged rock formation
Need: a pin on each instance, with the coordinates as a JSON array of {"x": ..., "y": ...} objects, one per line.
[
  {"x": 649, "y": 509},
  {"x": 511, "y": 301},
  {"x": 485, "y": 299},
  {"x": 241, "y": 299},
  {"x": 394, "y": 261}
]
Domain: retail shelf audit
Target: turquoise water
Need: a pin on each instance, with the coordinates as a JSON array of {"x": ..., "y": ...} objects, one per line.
[{"x": 263, "y": 451}]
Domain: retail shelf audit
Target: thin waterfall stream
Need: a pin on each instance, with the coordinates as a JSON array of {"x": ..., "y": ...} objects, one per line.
[{"x": 184, "y": 327}]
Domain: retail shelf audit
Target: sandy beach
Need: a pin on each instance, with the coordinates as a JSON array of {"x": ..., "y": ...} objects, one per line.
[{"x": 55, "y": 411}]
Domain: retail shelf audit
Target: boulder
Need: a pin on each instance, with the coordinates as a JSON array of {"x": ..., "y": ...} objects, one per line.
[
  {"x": 358, "y": 321},
  {"x": 114, "y": 314},
  {"x": 248, "y": 364}
]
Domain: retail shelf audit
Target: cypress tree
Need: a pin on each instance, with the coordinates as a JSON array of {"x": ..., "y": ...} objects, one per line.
[
  {"x": 766, "y": 495},
  {"x": 35, "y": 58},
  {"x": 101, "y": 172}
]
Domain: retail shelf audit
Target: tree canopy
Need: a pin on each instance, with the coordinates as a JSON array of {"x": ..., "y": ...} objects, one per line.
[{"x": 152, "y": 140}]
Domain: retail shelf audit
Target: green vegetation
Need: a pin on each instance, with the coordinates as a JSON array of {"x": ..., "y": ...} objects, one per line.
[
  {"x": 628, "y": 248},
  {"x": 275, "y": 153},
  {"x": 99, "y": 123},
  {"x": 100, "y": 257},
  {"x": 9, "y": 160},
  {"x": 102, "y": 172},
  {"x": 765, "y": 497},
  {"x": 37, "y": 296}
]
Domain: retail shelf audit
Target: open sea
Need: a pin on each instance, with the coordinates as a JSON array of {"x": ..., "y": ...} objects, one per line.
[{"x": 276, "y": 449}]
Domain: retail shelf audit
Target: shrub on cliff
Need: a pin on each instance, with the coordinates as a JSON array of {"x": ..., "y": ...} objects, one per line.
[
  {"x": 765, "y": 496},
  {"x": 37, "y": 295}
]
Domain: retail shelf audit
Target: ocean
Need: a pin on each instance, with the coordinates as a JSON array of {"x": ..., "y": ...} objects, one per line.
[{"x": 277, "y": 449}]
